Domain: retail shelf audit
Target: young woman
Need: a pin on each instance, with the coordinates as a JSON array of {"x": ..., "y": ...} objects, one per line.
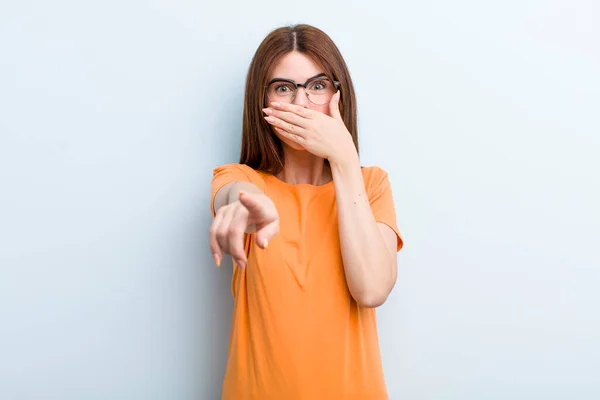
[{"x": 313, "y": 235}]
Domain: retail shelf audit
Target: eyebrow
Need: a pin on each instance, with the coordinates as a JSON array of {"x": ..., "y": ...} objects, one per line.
[{"x": 322, "y": 74}]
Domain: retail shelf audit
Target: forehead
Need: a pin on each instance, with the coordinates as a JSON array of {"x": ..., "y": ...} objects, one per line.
[{"x": 296, "y": 66}]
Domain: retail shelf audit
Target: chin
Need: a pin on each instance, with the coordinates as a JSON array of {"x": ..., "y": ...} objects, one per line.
[
  {"x": 295, "y": 146},
  {"x": 289, "y": 143}
]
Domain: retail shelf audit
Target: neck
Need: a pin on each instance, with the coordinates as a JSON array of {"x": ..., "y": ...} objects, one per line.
[{"x": 301, "y": 167}]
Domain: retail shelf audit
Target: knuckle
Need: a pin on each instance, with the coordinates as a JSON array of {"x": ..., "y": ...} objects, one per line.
[
  {"x": 221, "y": 233},
  {"x": 242, "y": 215},
  {"x": 238, "y": 253},
  {"x": 236, "y": 231},
  {"x": 221, "y": 210},
  {"x": 224, "y": 248}
]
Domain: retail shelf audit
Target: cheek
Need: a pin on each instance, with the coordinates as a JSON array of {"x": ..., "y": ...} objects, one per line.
[{"x": 322, "y": 109}]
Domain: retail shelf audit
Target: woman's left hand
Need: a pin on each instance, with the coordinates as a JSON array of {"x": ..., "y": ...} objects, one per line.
[{"x": 322, "y": 135}]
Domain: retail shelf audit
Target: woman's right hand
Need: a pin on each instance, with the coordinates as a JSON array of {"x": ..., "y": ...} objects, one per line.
[{"x": 252, "y": 213}]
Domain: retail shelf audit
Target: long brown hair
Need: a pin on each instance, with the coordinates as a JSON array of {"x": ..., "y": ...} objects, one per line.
[{"x": 261, "y": 149}]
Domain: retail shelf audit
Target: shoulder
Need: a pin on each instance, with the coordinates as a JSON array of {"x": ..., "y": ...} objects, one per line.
[
  {"x": 373, "y": 175},
  {"x": 237, "y": 172},
  {"x": 234, "y": 168},
  {"x": 373, "y": 172},
  {"x": 376, "y": 181}
]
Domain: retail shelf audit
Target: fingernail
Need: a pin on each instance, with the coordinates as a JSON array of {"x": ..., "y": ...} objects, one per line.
[
  {"x": 267, "y": 111},
  {"x": 217, "y": 259},
  {"x": 242, "y": 192},
  {"x": 241, "y": 264},
  {"x": 265, "y": 243},
  {"x": 270, "y": 119}
]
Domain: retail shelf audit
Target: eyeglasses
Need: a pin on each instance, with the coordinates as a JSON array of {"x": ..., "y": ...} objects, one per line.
[{"x": 319, "y": 90}]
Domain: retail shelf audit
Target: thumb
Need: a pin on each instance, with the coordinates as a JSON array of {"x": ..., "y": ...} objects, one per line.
[
  {"x": 334, "y": 106},
  {"x": 264, "y": 234}
]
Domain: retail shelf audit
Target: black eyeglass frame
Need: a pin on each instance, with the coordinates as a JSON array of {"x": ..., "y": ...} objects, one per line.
[{"x": 304, "y": 85}]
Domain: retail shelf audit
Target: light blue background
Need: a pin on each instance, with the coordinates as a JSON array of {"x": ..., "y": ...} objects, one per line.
[{"x": 114, "y": 113}]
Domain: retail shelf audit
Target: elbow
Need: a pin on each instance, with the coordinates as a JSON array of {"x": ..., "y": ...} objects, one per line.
[
  {"x": 372, "y": 290},
  {"x": 371, "y": 298}
]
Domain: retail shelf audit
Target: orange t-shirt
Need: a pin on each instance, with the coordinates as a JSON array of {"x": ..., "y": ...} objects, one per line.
[{"x": 297, "y": 333}]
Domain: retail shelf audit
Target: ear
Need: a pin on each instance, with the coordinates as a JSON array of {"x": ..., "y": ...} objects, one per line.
[{"x": 334, "y": 106}]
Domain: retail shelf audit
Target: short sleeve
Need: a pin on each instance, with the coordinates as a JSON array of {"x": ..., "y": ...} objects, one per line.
[
  {"x": 381, "y": 200},
  {"x": 232, "y": 173}
]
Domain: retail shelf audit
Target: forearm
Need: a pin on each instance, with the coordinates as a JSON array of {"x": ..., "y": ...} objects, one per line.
[
  {"x": 231, "y": 193},
  {"x": 368, "y": 264}
]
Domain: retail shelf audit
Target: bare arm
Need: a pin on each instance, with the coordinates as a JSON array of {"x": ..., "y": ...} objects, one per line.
[
  {"x": 231, "y": 193},
  {"x": 368, "y": 247}
]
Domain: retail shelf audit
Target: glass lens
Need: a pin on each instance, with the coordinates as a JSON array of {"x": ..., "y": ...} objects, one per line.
[
  {"x": 320, "y": 91},
  {"x": 281, "y": 91}
]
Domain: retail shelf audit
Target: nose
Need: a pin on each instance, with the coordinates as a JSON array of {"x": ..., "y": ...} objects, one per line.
[{"x": 301, "y": 97}]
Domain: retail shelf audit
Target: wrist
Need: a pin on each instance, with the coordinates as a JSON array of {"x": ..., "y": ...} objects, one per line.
[{"x": 347, "y": 162}]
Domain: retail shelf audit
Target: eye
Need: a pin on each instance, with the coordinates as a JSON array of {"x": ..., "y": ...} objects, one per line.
[
  {"x": 284, "y": 88},
  {"x": 319, "y": 85}
]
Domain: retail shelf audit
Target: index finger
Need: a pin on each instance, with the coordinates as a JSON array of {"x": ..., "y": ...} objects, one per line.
[{"x": 296, "y": 109}]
